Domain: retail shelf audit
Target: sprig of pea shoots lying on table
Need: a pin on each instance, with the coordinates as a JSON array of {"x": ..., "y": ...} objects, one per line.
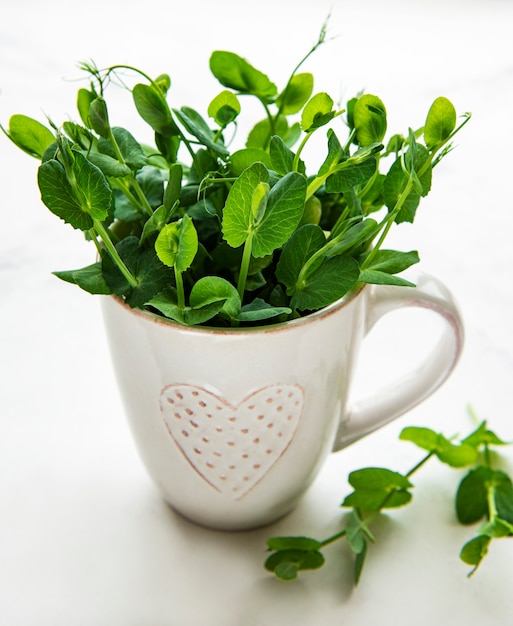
[{"x": 484, "y": 494}]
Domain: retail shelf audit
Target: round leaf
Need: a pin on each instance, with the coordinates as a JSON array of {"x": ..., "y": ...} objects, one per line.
[
  {"x": 471, "y": 496},
  {"x": 329, "y": 282},
  {"x": 210, "y": 289},
  {"x": 177, "y": 244},
  {"x": 234, "y": 72},
  {"x": 152, "y": 107},
  {"x": 224, "y": 108},
  {"x": 296, "y": 93},
  {"x": 370, "y": 120},
  {"x": 440, "y": 122},
  {"x": 30, "y": 135},
  {"x": 237, "y": 215},
  {"x": 318, "y": 111}
]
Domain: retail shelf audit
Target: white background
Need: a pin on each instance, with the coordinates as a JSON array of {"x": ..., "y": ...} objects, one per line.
[{"x": 84, "y": 538}]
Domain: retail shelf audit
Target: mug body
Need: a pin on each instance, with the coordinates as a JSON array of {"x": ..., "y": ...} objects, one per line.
[{"x": 234, "y": 424}]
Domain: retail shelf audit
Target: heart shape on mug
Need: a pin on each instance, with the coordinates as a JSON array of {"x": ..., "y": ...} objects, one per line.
[{"x": 232, "y": 447}]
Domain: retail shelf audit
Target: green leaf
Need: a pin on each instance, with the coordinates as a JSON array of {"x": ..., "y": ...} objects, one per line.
[
  {"x": 151, "y": 275},
  {"x": 177, "y": 244},
  {"x": 358, "y": 564},
  {"x": 151, "y": 181},
  {"x": 397, "y": 180},
  {"x": 99, "y": 117},
  {"x": 152, "y": 107},
  {"x": 370, "y": 120},
  {"x": 504, "y": 496},
  {"x": 286, "y": 563},
  {"x": 296, "y": 93},
  {"x": 393, "y": 261},
  {"x": 173, "y": 187},
  {"x": 168, "y": 147},
  {"x": 210, "y": 289},
  {"x": 483, "y": 436},
  {"x": 329, "y": 282},
  {"x": 306, "y": 240},
  {"x": 440, "y": 122},
  {"x": 82, "y": 137},
  {"x": 202, "y": 314},
  {"x": 306, "y": 544},
  {"x": 377, "y": 499},
  {"x": 259, "y": 310},
  {"x": 198, "y": 127},
  {"x": 286, "y": 570},
  {"x": 88, "y": 278},
  {"x": 131, "y": 151},
  {"x": 166, "y": 303},
  {"x": 424, "y": 438},
  {"x": 238, "y": 215},
  {"x": 240, "y": 160},
  {"x": 156, "y": 222},
  {"x": 350, "y": 175},
  {"x": 274, "y": 221},
  {"x": 357, "y": 235},
  {"x": 30, "y": 135},
  {"x": 84, "y": 99},
  {"x": 282, "y": 215},
  {"x": 89, "y": 200},
  {"x": 95, "y": 193},
  {"x": 58, "y": 195},
  {"x": 378, "y": 478},
  {"x": 354, "y": 534},
  {"x": 456, "y": 455},
  {"x": 474, "y": 551},
  {"x": 236, "y": 73},
  {"x": 163, "y": 82},
  {"x": 385, "y": 264},
  {"x": 452, "y": 454},
  {"x": 497, "y": 528},
  {"x": 377, "y": 488},
  {"x": 312, "y": 213},
  {"x": 376, "y": 277},
  {"x": 472, "y": 496},
  {"x": 261, "y": 133},
  {"x": 108, "y": 165},
  {"x": 318, "y": 111},
  {"x": 282, "y": 158},
  {"x": 335, "y": 153},
  {"x": 224, "y": 108}
]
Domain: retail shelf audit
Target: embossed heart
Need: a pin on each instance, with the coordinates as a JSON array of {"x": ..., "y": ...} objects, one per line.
[{"x": 232, "y": 447}]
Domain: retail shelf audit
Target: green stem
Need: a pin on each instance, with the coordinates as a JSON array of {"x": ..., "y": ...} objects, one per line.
[
  {"x": 333, "y": 538},
  {"x": 488, "y": 460},
  {"x": 419, "y": 464},
  {"x": 492, "y": 508},
  {"x": 179, "y": 289},
  {"x": 107, "y": 241},
  {"x": 139, "y": 192},
  {"x": 244, "y": 267},
  {"x": 158, "y": 91},
  {"x": 321, "y": 39},
  {"x": 388, "y": 222},
  {"x": 295, "y": 163},
  {"x": 372, "y": 515}
]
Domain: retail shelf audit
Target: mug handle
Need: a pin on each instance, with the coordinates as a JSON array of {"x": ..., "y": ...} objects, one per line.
[{"x": 377, "y": 410}]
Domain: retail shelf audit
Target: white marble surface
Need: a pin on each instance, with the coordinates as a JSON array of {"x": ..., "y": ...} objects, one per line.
[{"x": 84, "y": 538}]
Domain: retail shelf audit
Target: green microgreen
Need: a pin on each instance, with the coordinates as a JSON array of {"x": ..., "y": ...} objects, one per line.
[
  {"x": 484, "y": 494},
  {"x": 289, "y": 238}
]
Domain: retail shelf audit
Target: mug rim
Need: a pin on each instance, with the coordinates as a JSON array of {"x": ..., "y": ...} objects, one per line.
[{"x": 315, "y": 316}]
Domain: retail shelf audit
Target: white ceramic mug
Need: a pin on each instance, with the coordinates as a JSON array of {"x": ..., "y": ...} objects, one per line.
[{"x": 233, "y": 425}]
